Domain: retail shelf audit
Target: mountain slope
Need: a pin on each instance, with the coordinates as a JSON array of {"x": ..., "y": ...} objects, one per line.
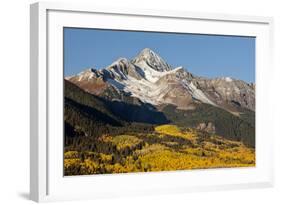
[
  {"x": 105, "y": 111},
  {"x": 224, "y": 123}
]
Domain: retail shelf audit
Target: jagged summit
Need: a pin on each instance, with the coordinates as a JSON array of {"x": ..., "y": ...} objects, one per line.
[
  {"x": 150, "y": 60},
  {"x": 122, "y": 68}
]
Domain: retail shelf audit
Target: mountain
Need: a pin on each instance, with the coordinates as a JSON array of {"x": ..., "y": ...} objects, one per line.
[
  {"x": 150, "y": 79},
  {"x": 148, "y": 90}
]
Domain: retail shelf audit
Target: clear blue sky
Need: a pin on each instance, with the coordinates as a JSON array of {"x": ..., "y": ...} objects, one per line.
[{"x": 202, "y": 55}]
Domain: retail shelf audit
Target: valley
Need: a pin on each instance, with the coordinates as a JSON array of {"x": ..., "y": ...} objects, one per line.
[{"x": 143, "y": 115}]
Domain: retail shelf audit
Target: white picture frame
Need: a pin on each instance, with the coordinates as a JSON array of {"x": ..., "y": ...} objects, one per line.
[{"x": 47, "y": 182}]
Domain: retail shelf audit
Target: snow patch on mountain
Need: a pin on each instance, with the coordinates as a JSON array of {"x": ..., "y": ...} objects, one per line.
[
  {"x": 228, "y": 79},
  {"x": 199, "y": 95}
]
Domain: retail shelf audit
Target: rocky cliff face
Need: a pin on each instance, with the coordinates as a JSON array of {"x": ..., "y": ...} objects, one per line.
[
  {"x": 207, "y": 127},
  {"x": 228, "y": 92}
]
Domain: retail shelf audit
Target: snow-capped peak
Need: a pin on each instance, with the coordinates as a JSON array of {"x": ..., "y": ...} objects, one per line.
[
  {"x": 148, "y": 58},
  {"x": 147, "y": 52}
]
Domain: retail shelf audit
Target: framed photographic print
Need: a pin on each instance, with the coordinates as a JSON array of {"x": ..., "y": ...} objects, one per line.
[{"x": 128, "y": 101}]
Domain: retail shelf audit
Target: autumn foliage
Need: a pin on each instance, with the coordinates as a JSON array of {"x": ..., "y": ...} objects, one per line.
[{"x": 167, "y": 148}]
